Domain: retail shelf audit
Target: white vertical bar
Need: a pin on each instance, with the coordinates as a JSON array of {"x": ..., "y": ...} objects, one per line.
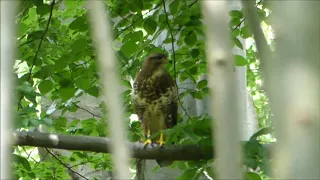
[
  {"x": 294, "y": 88},
  {"x": 111, "y": 86},
  {"x": 8, "y": 11},
  {"x": 222, "y": 81}
]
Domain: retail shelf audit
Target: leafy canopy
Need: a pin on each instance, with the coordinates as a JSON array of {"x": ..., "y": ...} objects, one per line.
[{"x": 57, "y": 62}]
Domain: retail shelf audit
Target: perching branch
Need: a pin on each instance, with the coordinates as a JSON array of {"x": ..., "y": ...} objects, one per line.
[{"x": 102, "y": 145}]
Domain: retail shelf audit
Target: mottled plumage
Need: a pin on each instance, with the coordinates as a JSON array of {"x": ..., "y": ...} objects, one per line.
[{"x": 154, "y": 98}]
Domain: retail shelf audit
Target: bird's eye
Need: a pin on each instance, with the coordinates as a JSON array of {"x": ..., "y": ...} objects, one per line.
[{"x": 158, "y": 58}]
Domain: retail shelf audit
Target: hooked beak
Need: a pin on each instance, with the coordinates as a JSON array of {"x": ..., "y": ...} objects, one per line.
[{"x": 166, "y": 60}]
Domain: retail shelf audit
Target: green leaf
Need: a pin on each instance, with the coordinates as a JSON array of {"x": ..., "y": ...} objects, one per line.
[
  {"x": 182, "y": 19},
  {"x": 47, "y": 120},
  {"x": 245, "y": 32},
  {"x": 188, "y": 174},
  {"x": 183, "y": 77},
  {"x": 22, "y": 161},
  {"x": 237, "y": 42},
  {"x": 190, "y": 39},
  {"x": 261, "y": 13},
  {"x": 261, "y": 132},
  {"x": 174, "y": 6},
  {"x": 35, "y": 35},
  {"x": 187, "y": 64},
  {"x": 79, "y": 45},
  {"x": 44, "y": 72},
  {"x": 193, "y": 22},
  {"x": 129, "y": 48},
  {"x": 45, "y": 86},
  {"x": 79, "y": 24},
  {"x": 136, "y": 5},
  {"x": 93, "y": 91},
  {"x": 60, "y": 123},
  {"x": 67, "y": 93},
  {"x": 137, "y": 36},
  {"x": 22, "y": 27},
  {"x": 88, "y": 125},
  {"x": 43, "y": 9},
  {"x": 194, "y": 53},
  {"x": 66, "y": 83},
  {"x": 194, "y": 70},
  {"x": 236, "y": 14},
  {"x": 83, "y": 83},
  {"x": 240, "y": 61},
  {"x": 236, "y": 32},
  {"x": 252, "y": 176},
  {"x": 201, "y": 84},
  {"x": 150, "y": 25}
]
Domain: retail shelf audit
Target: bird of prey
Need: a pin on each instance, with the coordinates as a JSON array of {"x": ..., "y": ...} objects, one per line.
[{"x": 154, "y": 98}]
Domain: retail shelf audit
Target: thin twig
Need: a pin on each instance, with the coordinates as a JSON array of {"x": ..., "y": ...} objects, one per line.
[
  {"x": 65, "y": 165},
  {"x": 39, "y": 46},
  {"x": 193, "y": 3},
  {"x": 174, "y": 56},
  {"x": 244, "y": 18},
  {"x": 30, "y": 41},
  {"x": 95, "y": 115},
  {"x": 133, "y": 23},
  {"x": 29, "y": 154},
  {"x": 238, "y": 25}
]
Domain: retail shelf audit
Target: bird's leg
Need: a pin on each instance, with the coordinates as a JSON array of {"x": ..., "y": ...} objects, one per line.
[
  {"x": 161, "y": 142},
  {"x": 148, "y": 141}
]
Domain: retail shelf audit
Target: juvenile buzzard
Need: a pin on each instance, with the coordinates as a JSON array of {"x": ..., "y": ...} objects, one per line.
[{"x": 154, "y": 98}]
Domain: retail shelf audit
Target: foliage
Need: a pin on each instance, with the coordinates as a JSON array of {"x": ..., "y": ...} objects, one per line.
[{"x": 57, "y": 63}]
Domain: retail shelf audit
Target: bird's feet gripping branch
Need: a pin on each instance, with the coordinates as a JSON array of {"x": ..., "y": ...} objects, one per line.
[
  {"x": 148, "y": 141},
  {"x": 160, "y": 141}
]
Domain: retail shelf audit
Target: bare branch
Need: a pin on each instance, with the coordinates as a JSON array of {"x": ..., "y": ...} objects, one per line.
[
  {"x": 111, "y": 87},
  {"x": 65, "y": 165},
  {"x": 79, "y": 107},
  {"x": 221, "y": 80},
  {"x": 174, "y": 56},
  {"x": 103, "y": 145}
]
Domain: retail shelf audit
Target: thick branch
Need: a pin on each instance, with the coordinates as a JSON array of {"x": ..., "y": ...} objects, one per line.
[
  {"x": 102, "y": 145},
  {"x": 259, "y": 38}
]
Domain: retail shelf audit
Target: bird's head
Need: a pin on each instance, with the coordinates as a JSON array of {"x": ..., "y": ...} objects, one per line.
[{"x": 155, "y": 62}]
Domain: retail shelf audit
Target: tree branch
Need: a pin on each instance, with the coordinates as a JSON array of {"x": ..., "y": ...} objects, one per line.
[
  {"x": 174, "y": 56},
  {"x": 65, "y": 165},
  {"x": 259, "y": 38},
  {"x": 102, "y": 145}
]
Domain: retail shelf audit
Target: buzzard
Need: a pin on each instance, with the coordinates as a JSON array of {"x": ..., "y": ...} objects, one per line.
[{"x": 154, "y": 98}]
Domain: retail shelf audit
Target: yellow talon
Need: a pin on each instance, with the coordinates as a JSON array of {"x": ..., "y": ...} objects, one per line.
[
  {"x": 148, "y": 141},
  {"x": 161, "y": 142}
]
